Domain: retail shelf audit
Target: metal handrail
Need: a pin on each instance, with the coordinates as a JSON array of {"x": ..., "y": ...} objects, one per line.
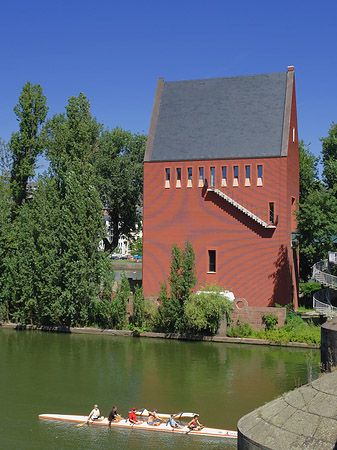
[
  {"x": 319, "y": 274},
  {"x": 321, "y": 303}
]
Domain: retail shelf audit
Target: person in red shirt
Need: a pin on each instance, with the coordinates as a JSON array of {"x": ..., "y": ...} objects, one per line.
[{"x": 133, "y": 417}]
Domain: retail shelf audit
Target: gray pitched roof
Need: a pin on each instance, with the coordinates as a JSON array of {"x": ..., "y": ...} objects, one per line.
[{"x": 220, "y": 118}]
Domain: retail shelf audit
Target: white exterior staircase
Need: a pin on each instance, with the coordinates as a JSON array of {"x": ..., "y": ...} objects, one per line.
[{"x": 241, "y": 208}]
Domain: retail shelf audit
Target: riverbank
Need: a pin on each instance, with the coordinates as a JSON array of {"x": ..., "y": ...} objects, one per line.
[
  {"x": 150, "y": 334},
  {"x": 126, "y": 265}
]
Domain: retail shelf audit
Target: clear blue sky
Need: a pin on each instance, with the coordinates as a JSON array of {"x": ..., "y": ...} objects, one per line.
[{"x": 114, "y": 51}]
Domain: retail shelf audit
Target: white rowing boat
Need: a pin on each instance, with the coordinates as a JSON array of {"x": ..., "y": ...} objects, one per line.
[
  {"x": 164, "y": 427},
  {"x": 182, "y": 415}
]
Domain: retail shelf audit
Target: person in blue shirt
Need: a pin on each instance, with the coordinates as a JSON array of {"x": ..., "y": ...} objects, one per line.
[{"x": 173, "y": 423}]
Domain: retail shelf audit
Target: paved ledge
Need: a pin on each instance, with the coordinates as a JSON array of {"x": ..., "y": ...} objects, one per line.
[
  {"x": 151, "y": 334},
  {"x": 305, "y": 418}
]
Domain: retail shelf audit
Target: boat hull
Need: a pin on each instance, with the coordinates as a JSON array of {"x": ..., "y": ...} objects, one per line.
[{"x": 163, "y": 427}]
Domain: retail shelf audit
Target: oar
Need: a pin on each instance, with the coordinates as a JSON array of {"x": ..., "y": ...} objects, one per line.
[{"x": 81, "y": 424}]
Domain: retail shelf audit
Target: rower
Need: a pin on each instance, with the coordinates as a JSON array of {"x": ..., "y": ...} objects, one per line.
[
  {"x": 94, "y": 414},
  {"x": 133, "y": 419},
  {"x": 195, "y": 424},
  {"x": 114, "y": 416},
  {"x": 153, "y": 418},
  {"x": 173, "y": 423}
]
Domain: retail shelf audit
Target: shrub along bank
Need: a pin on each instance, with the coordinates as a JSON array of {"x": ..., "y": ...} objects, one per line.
[{"x": 295, "y": 330}]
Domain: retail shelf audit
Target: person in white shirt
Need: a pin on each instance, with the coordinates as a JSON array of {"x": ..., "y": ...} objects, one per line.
[{"x": 95, "y": 414}]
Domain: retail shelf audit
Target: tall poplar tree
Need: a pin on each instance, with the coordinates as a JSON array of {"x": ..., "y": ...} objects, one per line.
[
  {"x": 26, "y": 145},
  {"x": 329, "y": 157},
  {"x": 70, "y": 141}
]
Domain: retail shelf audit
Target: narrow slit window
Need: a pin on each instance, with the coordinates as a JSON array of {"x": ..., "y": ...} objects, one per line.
[
  {"x": 259, "y": 175},
  {"x": 167, "y": 177},
  {"x": 271, "y": 212},
  {"x": 212, "y": 260},
  {"x": 178, "y": 184},
  {"x": 247, "y": 176},
  {"x": 212, "y": 176},
  {"x": 201, "y": 177},
  {"x": 189, "y": 177},
  {"x": 236, "y": 176},
  {"x": 224, "y": 176}
]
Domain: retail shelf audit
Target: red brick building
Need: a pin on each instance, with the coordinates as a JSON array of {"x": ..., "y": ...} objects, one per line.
[{"x": 221, "y": 169}]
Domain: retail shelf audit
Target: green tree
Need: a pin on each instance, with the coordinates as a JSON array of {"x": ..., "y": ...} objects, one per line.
[
  {"x": 26, "y": 145},
  {"x": 205, "y": 310},
  {"x": 139, "y": 313},
  {"x": 316, "y": 228},
  {"x": 329, "y": 157},
  {"x": 7, "y": 244},
  {"x": 309, "y": 178},
  {"x": 5, "y": 160},
  {"x": 118, "y": 163},
  {"x": 181, "y": 280},
  {"x": 70, "y": 141},
  {"x": 119, "y": 303}
]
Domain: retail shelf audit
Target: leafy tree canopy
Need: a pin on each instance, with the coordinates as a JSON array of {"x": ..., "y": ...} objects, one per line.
[
  {"x": 118, "y": 163},
  {"x": 25, "y": 145}
]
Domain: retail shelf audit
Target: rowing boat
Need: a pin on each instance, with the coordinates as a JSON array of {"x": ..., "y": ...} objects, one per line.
[
  {"x": 182, "y": 415},
  {"x": 164, "y": 427}
]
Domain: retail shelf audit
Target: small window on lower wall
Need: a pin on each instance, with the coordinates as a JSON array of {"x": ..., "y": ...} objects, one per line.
[
  {"x": 271, "y": 212},
  {"x": 212, "y": 261}
]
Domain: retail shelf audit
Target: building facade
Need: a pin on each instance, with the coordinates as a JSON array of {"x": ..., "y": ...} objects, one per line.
[{"x": 221, "y": 169}]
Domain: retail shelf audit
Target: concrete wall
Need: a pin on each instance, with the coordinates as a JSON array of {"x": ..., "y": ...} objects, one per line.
[{"x": 329, "y": 345}]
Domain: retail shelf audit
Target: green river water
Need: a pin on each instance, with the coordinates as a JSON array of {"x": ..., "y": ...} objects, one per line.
[{"x": 68, "y": 373}]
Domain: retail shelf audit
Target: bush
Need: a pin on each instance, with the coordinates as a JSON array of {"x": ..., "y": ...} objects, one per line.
[
  {"x": 240, "y": 329},
  {"x": 271, "y": 320},
  {"x": 138, "y": 318},
  {"x": 204, "y": 311},
  {"x": 309, "y": 288}
]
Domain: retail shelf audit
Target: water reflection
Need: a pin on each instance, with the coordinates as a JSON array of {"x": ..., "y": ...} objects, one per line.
[{"x": 68, "y": 373}]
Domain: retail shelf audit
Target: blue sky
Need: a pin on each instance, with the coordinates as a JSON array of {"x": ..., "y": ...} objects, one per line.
[{"x": 114, "y": 51}]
